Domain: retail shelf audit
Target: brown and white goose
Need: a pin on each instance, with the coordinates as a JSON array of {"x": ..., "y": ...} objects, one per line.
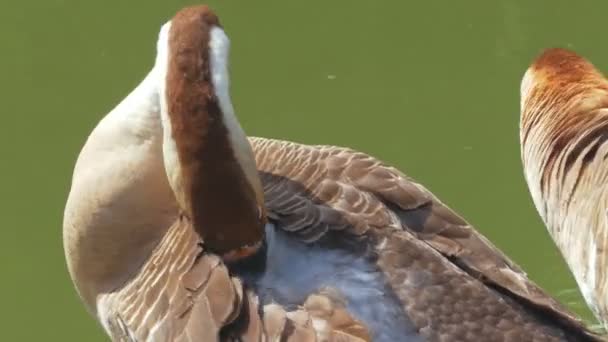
[
  {"x": 564, "y": 133},
  {"x": 180, "y": 228}
]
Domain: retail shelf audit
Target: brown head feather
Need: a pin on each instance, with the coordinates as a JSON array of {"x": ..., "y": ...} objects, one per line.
[{"x": 222, "y": 203}]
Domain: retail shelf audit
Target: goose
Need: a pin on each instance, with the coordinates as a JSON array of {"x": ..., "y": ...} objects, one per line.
[
  {"x": 179, "y": 227},
  {"x": 563, "y": 133}
]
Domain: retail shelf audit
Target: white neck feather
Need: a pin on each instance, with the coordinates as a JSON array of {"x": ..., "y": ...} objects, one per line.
[
  {"x": 219, "y": 46},
  {"x": 119, "y": 203}
]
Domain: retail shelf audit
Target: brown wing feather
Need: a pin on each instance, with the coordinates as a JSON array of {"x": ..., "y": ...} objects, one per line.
[
  {"x": 183, "y": 294},
  {"x": 311, "y": 190}
]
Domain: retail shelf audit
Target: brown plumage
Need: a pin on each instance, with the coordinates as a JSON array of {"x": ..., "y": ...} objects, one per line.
[
  {"x": 471, "y": 291},
  {"x": 198, "y": 300},
  {"x": 564, "y": 129},
  {"x": 403, "y": 266},
  {"x": 202, "y": 141}
]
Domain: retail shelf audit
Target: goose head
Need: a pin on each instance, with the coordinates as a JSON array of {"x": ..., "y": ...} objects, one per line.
[
  {"x": 208, "y": 159},
  {"x": 563, "y": 134}
]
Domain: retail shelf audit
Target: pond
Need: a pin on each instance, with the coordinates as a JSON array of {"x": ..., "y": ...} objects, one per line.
[{"x": 431, "y": 87}]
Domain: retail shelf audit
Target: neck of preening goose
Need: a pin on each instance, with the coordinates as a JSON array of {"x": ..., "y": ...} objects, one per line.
[
  {"x": 120, "y": 203},
  {"x": 208, "y": 159},
  {"x": 564, "y": 134}
]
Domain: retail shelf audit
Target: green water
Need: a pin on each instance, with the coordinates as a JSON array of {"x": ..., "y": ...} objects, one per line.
[{"x": 431, "y": 87}]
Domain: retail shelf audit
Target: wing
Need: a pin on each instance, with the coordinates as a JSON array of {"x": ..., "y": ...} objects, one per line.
[
  {"x": 184, "y": 294},
  {"x": 446, "y": 274},
  {"x": 452, "y": 283}
]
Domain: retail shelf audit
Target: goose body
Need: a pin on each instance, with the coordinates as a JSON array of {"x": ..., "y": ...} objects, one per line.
[
  {"x": 564, "y": 129},
  {"x": 203, "y": 234}
]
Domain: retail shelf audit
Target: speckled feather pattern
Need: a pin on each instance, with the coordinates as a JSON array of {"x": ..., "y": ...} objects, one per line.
[
  {"x": 184, "y": 295},
  {"x": 448, "y": 282},
  {"x": 411, "y": 232},
  {"x": 563, "y": 131}
]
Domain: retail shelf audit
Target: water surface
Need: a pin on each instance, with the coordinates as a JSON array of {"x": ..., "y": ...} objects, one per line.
[{"x": 431, "y": 87}]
